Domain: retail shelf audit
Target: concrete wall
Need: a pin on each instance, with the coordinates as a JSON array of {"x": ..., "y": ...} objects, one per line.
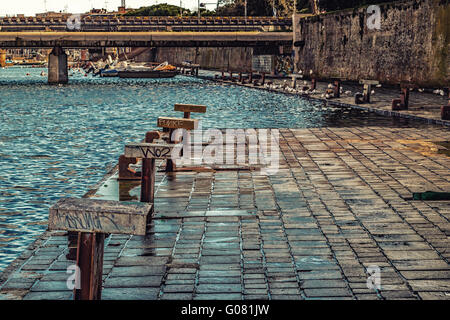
[
  {"x": 209, "y": 58},
  {"x": 412, "y": 44}
]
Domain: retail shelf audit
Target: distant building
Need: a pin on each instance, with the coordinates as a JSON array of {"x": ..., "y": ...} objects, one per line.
[{"x": 52, "y": 14}]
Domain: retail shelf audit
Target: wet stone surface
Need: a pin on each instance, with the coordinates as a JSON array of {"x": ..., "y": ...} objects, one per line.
[{"x": 336, "y": 208}]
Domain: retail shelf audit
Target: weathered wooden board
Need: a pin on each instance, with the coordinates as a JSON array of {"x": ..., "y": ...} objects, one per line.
[
  {"x": 190, "y": 108},
  {"x": 101, "y": 216},
  {"x": 177, "y": 123},
  {"x": 371, "y": 82},
  {"x": 149, "y": 150}
]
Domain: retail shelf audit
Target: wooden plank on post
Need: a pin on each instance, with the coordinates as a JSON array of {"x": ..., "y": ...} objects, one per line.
[
  {"x": 149, "y": 150},
  {"x": 177, "y": 123},
  {"x": 102, "y": 216},
  {"x": 190, "y": 108},
  {"x": 370, "y": 82}
]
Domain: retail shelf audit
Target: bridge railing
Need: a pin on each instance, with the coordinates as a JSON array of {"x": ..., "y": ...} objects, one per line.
[{"x": 280, "y": 21}]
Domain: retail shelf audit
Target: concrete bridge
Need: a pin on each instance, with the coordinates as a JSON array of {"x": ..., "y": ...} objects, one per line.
[
  {"x": 142, "y": 39},
  {"x": 57, "y": 62},
  {"x": 89, "y": 23}
]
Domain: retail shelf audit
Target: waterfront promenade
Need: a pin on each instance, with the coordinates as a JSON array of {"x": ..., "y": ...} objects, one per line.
[
  {"x": 424, "y": 106},
  {"x": 339, "y": 204}
]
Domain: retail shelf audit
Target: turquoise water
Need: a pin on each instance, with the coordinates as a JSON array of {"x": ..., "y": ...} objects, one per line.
[{"x": 57, "y": 141}]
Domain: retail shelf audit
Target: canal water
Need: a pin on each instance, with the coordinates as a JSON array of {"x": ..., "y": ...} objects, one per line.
[{"x": 57, "y": 141}]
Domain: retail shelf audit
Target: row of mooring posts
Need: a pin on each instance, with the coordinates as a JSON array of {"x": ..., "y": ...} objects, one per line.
[
  {"x": 92, "y": 220},
  {"x": 249, "y": 77},
  {"x": 401, "y": 103},
  {"x": 189, "y": 69},
  {"x": 295, "y": 79}
]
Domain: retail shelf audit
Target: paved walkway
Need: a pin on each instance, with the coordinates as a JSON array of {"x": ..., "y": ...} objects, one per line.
[
  {"x": 423, "y": 105},
  {"x": 336, "y": 207}
]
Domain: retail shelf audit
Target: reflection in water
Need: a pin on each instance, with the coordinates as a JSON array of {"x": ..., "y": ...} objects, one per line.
[
  {"x": 122, "y": 190},
  {"x": 445, "y": 147},
  {"x": 57, "y": 141}
]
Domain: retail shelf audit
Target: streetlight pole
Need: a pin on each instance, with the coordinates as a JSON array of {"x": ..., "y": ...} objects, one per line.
[
  {"x": 245, "y": 13},
  {"x": 198, "y": 13}
]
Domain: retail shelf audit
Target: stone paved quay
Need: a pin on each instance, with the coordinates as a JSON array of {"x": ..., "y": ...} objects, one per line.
[
  {"x": 338, "y": 205},
  {"x": 423, "y": 105}
]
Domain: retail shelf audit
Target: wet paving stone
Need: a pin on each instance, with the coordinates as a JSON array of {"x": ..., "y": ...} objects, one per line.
[
  {"x": 310, "y": 231},
  {"x": 327, "y": 292},
  {"x": 137, "y": 271},
  {"x": 137, "y": 282},
  {"x": 218, "y": 288},
  {"x": 218, "y": 296},
  {"x": 44, "y": 286},
  {"x": 130, "y": 293},
  {"x": 49, "y": 295},
  {"x": 176, "y": 296}
]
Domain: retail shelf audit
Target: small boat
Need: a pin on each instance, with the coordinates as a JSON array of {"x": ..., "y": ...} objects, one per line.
[
  {"x": 163, "y": 70},
  {"x": 109, "y": 73}
]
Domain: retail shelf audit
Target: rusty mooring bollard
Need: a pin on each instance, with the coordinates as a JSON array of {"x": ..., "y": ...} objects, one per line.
[
  {"x": 445, "y": 110},
  {"x": 404, "y": 97},
  {"x": 337, "y": 89},
  {"x": 125, "y": 173},
  {"x": 313, "y": 84}
]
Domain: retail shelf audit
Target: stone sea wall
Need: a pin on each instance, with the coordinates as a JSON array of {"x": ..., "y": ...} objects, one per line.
[
  {"x": 411, "y": 46},
  {"x": 209, "y": 58}
]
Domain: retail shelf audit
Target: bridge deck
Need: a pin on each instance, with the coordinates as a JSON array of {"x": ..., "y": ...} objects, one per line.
[{"x": 142, "y": 39}]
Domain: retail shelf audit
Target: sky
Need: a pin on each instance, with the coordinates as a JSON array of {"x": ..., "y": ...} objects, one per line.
[{"x": 31, "y": 7}]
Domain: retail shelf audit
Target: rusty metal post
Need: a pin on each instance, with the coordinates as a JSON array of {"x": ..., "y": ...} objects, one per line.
[
  {"x": 313, "y": 84},
  {"x": 152, "y": 135},
  {"x": 396, "y": 104},
  {"x": 250, "y": 77},
  {"x": 337, "y": 89},
  {"x": 90, "y": 261},
  {"x": 170, "y": 165},
  {"x": 149, "y": 171},
  {"x": 445, "y": 112},
  {"x": 263, "y": 78},
  {"x": 366, "y": 92},
  {"x": 404, "y": 97},
  {"x": 148, "y": 180}
]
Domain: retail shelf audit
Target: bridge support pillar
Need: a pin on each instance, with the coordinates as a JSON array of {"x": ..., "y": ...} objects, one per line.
[{"x": 57, "y": 67}]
